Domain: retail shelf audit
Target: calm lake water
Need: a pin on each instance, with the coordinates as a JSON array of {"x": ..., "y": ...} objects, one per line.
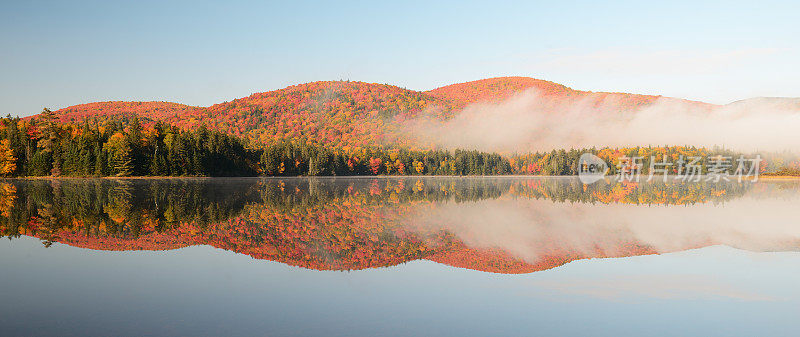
[{"x": 398, "y": 256}]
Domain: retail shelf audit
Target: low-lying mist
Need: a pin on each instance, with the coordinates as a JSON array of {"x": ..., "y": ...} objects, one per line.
[
  {"x": 531, "y": 121},
  {"x": 532, "y": 230}
]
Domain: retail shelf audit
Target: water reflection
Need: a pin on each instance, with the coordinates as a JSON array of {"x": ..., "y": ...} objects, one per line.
[{"x": 504, "y": 225}]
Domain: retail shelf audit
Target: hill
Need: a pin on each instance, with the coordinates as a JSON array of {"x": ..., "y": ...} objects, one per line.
[
  {"x": 144, "y": 110},
  {"x": 493, "y": 90},
  {"x": 498, "y": 89},
  {"x": 338, "y": 113},
  {"x": 349, "y": 113}
]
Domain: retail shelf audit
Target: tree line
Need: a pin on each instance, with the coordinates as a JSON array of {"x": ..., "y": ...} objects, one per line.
[
  {"x": 126, "y": 146},
  {"x": 116, "y": 147}
]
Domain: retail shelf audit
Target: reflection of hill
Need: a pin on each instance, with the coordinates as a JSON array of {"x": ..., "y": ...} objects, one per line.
[
  {"x": 349, "y": 224},
  {"x": 495, "y": 260},
  {"x": 150, "y": 241}
]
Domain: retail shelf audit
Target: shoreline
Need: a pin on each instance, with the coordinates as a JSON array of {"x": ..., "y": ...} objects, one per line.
[{"x": 761, "y": 177}]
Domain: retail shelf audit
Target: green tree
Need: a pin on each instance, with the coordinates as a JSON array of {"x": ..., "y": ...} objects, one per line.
[{"x": 119, "y": 155}]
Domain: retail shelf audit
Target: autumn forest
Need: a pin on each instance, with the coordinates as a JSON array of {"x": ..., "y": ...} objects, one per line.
[{"x": 340, "y": 128}]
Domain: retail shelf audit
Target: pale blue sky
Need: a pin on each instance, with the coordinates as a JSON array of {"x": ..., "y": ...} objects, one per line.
[{"x": 56, "y": 54}]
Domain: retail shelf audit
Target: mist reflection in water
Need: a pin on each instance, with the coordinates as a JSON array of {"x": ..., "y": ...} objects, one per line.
[{"x": 503, "y": 225}]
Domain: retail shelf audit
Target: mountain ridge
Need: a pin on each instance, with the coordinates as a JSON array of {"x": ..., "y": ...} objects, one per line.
[{"x": 349, "y": 113}]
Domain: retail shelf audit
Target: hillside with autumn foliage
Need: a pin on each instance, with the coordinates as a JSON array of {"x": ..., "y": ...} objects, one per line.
[
  {"x": 346, "y": 113},
  {"x": 342, "y": 113},
  {"x": 500, "y": 88},
  {"x": 152, "y": 111}
]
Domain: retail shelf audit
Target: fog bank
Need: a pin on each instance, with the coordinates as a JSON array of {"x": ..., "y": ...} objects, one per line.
[{"x": 533, "y": 122}]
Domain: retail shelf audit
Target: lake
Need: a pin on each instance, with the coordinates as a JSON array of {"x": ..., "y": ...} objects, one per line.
[{"x": 399, "y": 256}]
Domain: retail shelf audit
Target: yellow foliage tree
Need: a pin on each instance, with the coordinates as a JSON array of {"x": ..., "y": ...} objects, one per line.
[
  {"x": 119, "y": 154},
  {"x": 419, "y": 166},
  {"x": 8, "y": 162}
]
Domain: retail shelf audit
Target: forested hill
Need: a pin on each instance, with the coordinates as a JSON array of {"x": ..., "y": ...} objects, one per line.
[
  {"x": 145, "y": 111},
  {"x": 497, "y": 89},
  {"x": 343, "y": 113},
  {"x": 127, "y": 147}
]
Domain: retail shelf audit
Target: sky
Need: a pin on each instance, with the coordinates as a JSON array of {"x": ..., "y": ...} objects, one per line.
[{"x": 62, "y": 53}]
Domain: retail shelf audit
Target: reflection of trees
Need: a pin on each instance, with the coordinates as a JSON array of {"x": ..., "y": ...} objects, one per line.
[
  {"x": 132, "y": 207},
  {"x": 8, "y": 195},
  {"x": 46, "y": 224},
  {"x": 292, "y": 193},
  {"x": 125, "y": 208},
  {"x": 313, "y": 223},
  {"x": 119, "y": 208}
]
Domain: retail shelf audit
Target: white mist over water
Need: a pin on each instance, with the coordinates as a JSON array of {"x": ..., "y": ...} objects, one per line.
[
  {"x": 532, "y": 230},
  {"x": 533, "y": 122}
]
